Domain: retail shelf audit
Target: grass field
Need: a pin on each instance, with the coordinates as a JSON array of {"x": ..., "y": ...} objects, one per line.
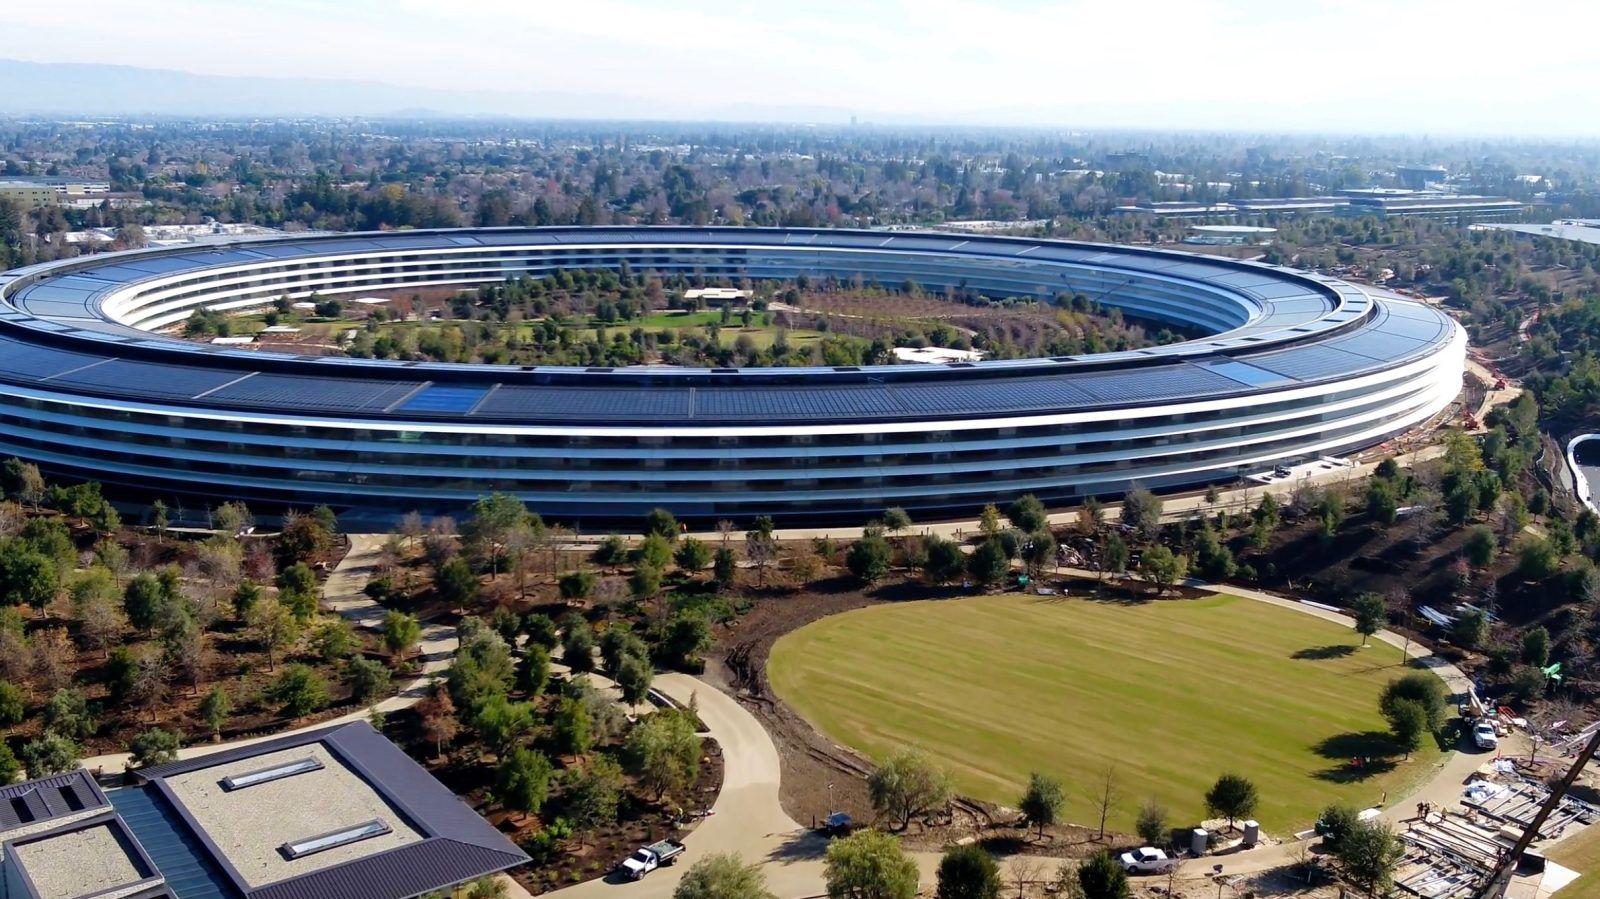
[
  {"x": 1169, "y": 693},
  {"x": 1581, "y": 853}
]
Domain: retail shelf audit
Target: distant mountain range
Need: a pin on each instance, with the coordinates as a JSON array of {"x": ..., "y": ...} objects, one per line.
[{"x": 92, "y": 89}]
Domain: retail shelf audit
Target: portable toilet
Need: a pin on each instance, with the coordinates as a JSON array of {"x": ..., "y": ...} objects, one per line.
[
  {"x": 1252, "y": 834},
  {"x": 1199, "y": 841}
]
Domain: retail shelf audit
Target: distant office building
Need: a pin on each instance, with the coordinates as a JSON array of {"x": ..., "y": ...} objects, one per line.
[
  {"x": 1177, "y": 209},
  {"x": 334, "y": 813},
  {"x": 1420, "y": 177},
  {"x": 1287, "y": 205},
  {"x": 27, "y": 194},
  {"x": 1408, "y": 204},
  {"x": 1228, "y": 235}
]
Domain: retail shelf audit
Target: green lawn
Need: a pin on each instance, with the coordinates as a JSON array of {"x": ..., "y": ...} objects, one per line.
[
  {"x": 1580, "y": 853},
  {"x": 1170, "y": 693}
]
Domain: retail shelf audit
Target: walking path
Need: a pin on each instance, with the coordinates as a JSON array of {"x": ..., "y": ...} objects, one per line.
[{"x": 748, "y": 817}]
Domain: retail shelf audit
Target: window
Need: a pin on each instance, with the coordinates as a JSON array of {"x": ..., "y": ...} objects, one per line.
[
  {"x": 276, "y": 772},
  {"x": 344, "y": 837}
]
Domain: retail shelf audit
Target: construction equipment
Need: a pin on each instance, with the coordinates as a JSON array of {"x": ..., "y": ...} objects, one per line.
[{"x": 1494, "y": 886}]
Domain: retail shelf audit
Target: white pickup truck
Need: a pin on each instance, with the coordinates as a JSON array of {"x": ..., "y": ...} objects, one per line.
[
  {"x": 1147, "y": 861},
  {"x": 651, "y": 857}
]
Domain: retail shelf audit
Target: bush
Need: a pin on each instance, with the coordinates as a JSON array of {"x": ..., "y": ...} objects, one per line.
[
  {"x": 968, "y": 872},
  {"x": 153, "y": 747},
  {"x": 1152, "y": 823},
  {"x": 367, "y": 679},
  {"x": 299, "y": 691}
]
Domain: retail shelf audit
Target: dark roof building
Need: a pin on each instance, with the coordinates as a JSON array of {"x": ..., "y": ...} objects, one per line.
[{"x": 333, "y": 813}]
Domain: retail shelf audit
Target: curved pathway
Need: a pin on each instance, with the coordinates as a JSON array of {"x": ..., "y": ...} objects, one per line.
[{"x": 748, "y": 817}]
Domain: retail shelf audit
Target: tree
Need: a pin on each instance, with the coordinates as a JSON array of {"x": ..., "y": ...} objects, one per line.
[
  {"x": 1481, "y": 546},
  {"x": 1408, "y": 722},
  {"x": 333, "y": 640},
  {"x": 50, "y": 754},
  {"x": 943, "y": 561},
  {"x": 437, "y": 714},
  {"x": 273, "y": 627},
  {"x": 1107, "y": 798},
  {"x": 572, "y": 729},
  {"x": 499, "y": 721},
  {"x": 691, "y": 555},
  {"x": 1141, "y": 510},
  {"x": 989, "y": 521},
  {"x": 868, "y": 558},
  {"x": 590, "y": 795},
  {"x": 1383, "y": 506},
  {"x": 1163, "y": 567},
  {"x": 634, "y": 677},
  {"x": 659, "y": 522},
  {"x": 367, "y": 679},
  {"x": 1152, "y": 823},
  {"x": 1537, "y": 558},
  {"x": 1536, "y": 647},
  {"x": 494, "y": 518},
  {"x": 575, "y": 586},
  {"x": 989, "y": 563},
  {"x": 455, "y": 583},
  {"x": 723, "y": 566},
  {"x": 645, "y": 581},
  {"x": 664, "y": 751},
  {"x": 869, "y": 864},
  {"x": 908, "y": 784},
  {"x": 1113, "y": 556},
  {"x": 1102, "y": 877},
  {"x": 1470, "y": 629},
  {"x": 1369, "y": 854},
  {"x": 215, "y": 709},
  {"x": 1420, "y": 687},
  {"x": 896, "y": 520},
  {"x": 10, "y": 768},
  {"x": 27, "y": 576},
  {"x": 1369, "y": 613},
  {"x": 533, "y": 672},
  {"x": 968, "y": 872},
  {"x": 299, "y": 690},
  {"x": 13, "y": 704},
  {"x": 1041, "y": 802},
  {"x": 1335, "y": 822},
  {"x": 723, "y": 876},
  {"x": 1232, "y": 797},
  {"x": 577, "y": 645},
  {"x": 153, "y": 747},
  {"x": 522, "y": 781},
  {"x": 686, "y": 635},
  {"x": 401, "y": 633},
  {"x": 1028, "y": 514}
]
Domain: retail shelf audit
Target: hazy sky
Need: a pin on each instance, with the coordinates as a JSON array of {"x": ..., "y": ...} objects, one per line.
[{"x": 1381, "y": 65}]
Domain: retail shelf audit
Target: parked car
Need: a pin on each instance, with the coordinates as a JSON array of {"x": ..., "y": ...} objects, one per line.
[
  {"x": 1147, "y": 860},
  {"x": 651, "y": 857},
  {"x": 1483, "y": 735},
  {"x": 838, "y": 824}
]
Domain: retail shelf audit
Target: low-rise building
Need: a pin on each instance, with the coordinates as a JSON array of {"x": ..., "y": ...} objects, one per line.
[{"x": 333, "y": 813}]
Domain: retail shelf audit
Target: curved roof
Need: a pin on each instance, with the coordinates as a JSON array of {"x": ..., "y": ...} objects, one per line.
[{"x": 65, "y": 327}]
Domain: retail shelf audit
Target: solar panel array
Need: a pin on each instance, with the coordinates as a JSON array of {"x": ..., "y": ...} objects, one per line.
[{"x": 1290, "y": 307}]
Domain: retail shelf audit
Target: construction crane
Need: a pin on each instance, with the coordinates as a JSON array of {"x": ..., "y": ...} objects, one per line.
[{"x": 1494, "y": 886}]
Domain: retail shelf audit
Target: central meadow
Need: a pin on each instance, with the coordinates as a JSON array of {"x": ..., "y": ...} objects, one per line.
[{"x": 1170, "y": 694}]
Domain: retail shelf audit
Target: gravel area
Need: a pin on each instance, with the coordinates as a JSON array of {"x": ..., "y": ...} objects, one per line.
[
  {"x": 248, "y": 825},
  {"x": 79, "y": 863}
]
